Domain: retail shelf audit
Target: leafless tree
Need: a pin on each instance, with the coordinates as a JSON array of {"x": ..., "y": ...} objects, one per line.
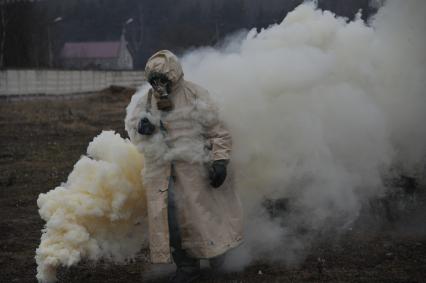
[{"x": 4, "y": 21}]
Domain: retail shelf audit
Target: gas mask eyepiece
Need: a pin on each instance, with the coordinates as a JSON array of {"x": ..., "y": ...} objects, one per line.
[{"x": 161, "y": 85}]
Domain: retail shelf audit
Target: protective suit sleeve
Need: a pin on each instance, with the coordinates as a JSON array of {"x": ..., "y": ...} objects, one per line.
[
  {"x": 221, "y": 141},
  {"x": 218, "y": 135},
  {"x": 135, "y": 112}
]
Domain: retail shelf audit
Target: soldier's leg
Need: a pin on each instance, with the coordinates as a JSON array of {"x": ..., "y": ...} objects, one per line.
[{"x": 186, "y": 266}]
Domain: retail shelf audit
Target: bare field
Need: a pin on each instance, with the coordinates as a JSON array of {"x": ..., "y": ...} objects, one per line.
[{"x": 42, "y": 138}]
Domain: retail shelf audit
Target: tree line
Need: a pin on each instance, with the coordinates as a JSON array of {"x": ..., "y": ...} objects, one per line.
[{"x": 33, "y": 33}]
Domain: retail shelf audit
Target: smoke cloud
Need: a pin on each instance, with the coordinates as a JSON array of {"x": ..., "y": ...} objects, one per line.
[
  {"x": 99, "y": 213},
  {"x": 322, "y": 110}
]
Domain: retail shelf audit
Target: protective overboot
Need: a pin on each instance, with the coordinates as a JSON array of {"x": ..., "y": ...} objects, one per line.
[
  {"x": 185, "y": 276},
  {"x": 217, "y": 263}
]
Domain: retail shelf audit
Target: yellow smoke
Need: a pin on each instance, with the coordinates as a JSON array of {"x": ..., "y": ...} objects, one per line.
[{"x": 98, "y": 213}]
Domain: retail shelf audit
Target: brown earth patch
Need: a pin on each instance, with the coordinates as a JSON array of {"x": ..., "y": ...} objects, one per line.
[{"x": 42, "y": 138}]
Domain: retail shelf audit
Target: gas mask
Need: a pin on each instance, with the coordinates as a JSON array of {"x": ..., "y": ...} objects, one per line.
[{"x": 162, "y": 87}]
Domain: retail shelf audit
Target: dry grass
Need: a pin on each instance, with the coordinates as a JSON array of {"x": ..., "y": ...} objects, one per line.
[{"x": 42, "y": 138}]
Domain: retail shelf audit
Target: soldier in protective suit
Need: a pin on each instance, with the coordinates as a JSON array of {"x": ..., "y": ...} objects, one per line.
[{"x": 193, "y": 211}]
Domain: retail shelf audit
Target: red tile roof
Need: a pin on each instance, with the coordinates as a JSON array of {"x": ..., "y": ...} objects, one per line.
[{"x": 101, "y": 49}]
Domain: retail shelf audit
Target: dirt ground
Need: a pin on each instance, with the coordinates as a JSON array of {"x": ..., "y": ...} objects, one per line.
[{"x": 42, "y": 138}]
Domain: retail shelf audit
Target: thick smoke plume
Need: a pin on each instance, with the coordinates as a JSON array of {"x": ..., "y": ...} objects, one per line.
[
  {"x": 98, "y": 213},
  {"x": 322, "y": 111}
]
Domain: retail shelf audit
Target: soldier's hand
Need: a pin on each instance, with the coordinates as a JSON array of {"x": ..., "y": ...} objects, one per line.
[
  {"x": 145, "y": 127},
  {"x": 217, "y": 173}
]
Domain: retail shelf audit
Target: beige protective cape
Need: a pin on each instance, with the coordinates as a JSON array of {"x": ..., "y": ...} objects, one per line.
[{"x": 210, "y": 219}]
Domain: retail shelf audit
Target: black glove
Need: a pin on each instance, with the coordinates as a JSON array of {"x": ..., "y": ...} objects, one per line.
[
  {"x": 217, "y": 173},
  {"x": 145, "y": 127}
]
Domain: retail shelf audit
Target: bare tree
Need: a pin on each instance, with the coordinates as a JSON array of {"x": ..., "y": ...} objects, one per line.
[{"x": 4, "y": 21}]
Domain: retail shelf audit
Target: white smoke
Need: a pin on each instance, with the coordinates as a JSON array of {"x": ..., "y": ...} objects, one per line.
[
  {"x": 98, "y": 213},
  {"x": 321, "y": 109}
]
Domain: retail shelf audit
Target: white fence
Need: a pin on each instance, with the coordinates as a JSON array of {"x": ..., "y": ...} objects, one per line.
[{"x": 57, "y": 82}]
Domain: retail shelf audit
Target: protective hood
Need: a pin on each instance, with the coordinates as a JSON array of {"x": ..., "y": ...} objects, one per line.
[{"x": 164, "y": 62}]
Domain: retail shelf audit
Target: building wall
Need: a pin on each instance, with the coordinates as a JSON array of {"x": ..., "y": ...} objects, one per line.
[
  {"x": 57, "y": 82},
  {"x": 91, "y": 63}
]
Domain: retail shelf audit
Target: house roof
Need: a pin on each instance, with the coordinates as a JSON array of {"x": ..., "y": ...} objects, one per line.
[{"x": 100, "y": 49}]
